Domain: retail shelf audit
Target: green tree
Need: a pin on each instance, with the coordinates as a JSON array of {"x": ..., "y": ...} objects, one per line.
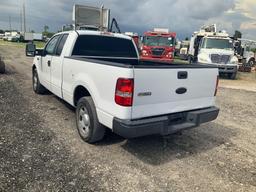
[
  {"x": 253, "y": 50},
  {"x": 46, "y": 28}
]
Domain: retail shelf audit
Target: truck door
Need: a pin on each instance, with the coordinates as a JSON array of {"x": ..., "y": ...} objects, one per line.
[
  {"x": 46, "y": 62},
  {"x": 56, "y": 66}
]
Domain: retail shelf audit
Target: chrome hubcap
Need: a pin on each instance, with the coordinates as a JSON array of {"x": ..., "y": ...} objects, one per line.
[{"x": 84, "y": 122}]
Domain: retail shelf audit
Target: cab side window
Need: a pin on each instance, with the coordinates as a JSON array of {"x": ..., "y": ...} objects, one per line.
[
  {"x": 51, "y": 46},
  {"x": 61, "y": 44}
]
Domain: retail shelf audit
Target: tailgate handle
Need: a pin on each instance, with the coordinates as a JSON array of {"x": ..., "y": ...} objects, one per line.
[
  {"x": 181, "y": 90},
  {"x": 182, "y": 75}
]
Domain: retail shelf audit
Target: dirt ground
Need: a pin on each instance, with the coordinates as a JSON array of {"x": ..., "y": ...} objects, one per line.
[{"x": 40, "y": 149}]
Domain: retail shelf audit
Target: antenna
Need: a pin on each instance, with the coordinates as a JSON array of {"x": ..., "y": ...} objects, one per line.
[{"x": 24, "y": 16}]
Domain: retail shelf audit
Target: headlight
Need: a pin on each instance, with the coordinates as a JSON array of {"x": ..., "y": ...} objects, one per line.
[
  {"x": 204, "y": 59},
  {"x": 144, "y": 53},
  {"x": 234, "y": 60}
]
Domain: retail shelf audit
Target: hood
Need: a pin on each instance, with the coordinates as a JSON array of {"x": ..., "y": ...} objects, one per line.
[{"x": 217, "y": 51}]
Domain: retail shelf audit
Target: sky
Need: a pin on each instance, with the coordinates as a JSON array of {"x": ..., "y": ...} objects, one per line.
[{"x": 181, "y": 16}]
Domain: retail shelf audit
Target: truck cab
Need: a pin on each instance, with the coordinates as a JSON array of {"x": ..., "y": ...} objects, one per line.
[
  {"x": 100, "y": 74},
  {"x": 244, "y": 52},
  {"x": 215, "y": 48},
  {"x": 158, "y": 45}
]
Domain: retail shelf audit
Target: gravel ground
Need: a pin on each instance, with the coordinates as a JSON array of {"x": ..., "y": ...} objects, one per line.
[{"x": 40, "y": 149}]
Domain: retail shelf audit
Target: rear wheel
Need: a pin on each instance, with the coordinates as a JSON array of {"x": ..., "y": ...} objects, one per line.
[
  {"x": 190, "y": 60},
  {"x": 88, "y": 125},
  {"x": 2, "y": 67},
  {"x": 37, "y": 86},
  {"x": 251, "y": 63}
]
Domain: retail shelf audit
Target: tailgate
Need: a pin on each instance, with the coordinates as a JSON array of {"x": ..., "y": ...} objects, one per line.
[{"x": 168, "y": 90}]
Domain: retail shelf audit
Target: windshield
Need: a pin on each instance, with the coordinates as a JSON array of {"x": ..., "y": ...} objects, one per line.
[
  {"x": 210, "y": 43},
  {"x": 158, "y": 41}
]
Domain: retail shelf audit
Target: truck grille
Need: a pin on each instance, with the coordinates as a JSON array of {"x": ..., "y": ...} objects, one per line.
[
  {"x": 157, "y": 51},
  {"x": 220, "y": 59}
]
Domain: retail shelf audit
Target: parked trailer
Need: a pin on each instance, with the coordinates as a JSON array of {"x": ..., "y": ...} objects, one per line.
[
  {"x": 37, "y": 36},
  {"x": 28, "y": 36},
  {"x": 91, "y": 18}
]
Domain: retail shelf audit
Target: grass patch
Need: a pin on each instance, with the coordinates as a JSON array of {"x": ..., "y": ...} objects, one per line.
[{"x": 39, "y": 44}]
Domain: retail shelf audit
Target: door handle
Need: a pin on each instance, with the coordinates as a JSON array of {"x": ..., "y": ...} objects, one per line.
[{"x": 49, "y": 63}]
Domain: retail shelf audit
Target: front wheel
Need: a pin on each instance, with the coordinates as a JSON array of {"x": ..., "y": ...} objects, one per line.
[
  {"x": 88, "y": 125},
  {"x": 2, "y": 67},
  {"x": 251, "y": 63},
  {"x": 190, "y": 61},
  {"x": 37, "y": 86}
]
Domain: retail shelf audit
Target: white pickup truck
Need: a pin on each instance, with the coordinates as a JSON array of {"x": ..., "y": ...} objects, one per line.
[{"x": 99, "y": 73}]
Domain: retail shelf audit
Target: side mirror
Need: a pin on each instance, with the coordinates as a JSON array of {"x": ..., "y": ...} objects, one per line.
[{"x": 30, "y": 50}]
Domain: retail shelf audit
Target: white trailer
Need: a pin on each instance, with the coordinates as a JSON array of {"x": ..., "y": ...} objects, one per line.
[
  {"x": 27, "y": 36},
  {"x": 37, "y": 36}
]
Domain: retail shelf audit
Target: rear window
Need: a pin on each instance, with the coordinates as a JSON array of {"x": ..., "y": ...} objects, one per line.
[{"x": 104, "y": 46}]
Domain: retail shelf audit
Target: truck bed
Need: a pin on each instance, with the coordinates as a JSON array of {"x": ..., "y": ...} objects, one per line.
[{"x": 135, "y": 63}]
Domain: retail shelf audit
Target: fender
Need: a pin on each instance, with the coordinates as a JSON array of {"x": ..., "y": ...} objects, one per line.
[{"x": 84, "y": 81}]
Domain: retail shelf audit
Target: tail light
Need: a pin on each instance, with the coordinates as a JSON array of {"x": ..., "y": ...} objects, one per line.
[
  {"x": 216, "y": 87},
  {"x": 124, "y": 92}
]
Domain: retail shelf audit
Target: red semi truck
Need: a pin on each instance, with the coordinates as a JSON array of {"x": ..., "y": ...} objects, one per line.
[{"x": 158, "y": 45}]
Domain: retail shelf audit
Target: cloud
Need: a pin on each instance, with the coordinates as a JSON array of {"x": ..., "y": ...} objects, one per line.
[{"x": 183, "y": 17}]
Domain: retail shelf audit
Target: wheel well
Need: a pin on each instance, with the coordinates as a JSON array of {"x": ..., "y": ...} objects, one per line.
[{"x": 80, "y": 92}]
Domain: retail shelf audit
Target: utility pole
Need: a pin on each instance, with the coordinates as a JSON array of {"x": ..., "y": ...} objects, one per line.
[
  {"x": 21, "y": 20},
  {"x": 10, "y": 23},
  {"x": 24, "y": 16}
]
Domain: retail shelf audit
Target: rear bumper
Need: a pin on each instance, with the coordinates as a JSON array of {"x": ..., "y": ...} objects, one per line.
[
  {"x": 227, "y": 69},
  {"x": 164, "y": 125}
]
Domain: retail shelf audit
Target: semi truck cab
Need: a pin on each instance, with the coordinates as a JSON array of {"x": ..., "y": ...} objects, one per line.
[
  {"x": 158, "y": 45},
  {"x": 215, "y": 48}
]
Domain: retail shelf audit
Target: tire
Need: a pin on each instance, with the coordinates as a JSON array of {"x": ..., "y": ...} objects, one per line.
[
  {"x": 190, "y": 60},
  {"x": 232, "y": 76},
  {"x": 2, "y": 67},
  {"x": 37, "y": 86},
  {"x": 251, "y": 63},
  {"x": 87, "y": 123}
]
